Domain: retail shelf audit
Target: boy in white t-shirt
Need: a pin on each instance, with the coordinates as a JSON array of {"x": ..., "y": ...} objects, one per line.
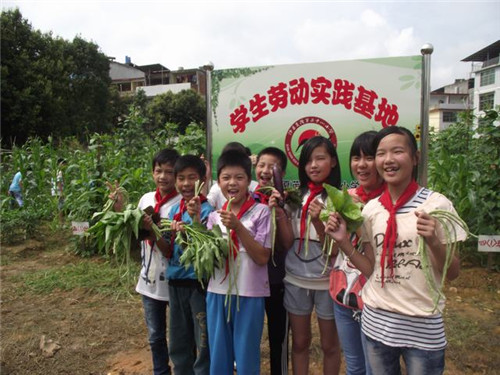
[{"x": 153, "y": 283}]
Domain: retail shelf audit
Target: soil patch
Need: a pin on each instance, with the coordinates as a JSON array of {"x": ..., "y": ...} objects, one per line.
[{"x": 88, "y": 333}]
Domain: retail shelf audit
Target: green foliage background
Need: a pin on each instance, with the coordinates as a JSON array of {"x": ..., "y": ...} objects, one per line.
[{"x": 464, "y": 165}]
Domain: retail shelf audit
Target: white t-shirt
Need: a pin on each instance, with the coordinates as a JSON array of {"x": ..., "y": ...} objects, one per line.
[
  {"x": 407, "y": 293},
  {"x": 153, "y": 281}
]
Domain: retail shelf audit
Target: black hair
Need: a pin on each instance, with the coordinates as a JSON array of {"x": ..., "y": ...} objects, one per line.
[
  {"x": 276, "y": 152},
  {"x": 190, "y": 161},
  {"x": 307, "y": 150},
  {"x": 236, "y": 146},
  {"x": 234, "y": 158},
  {"x": 412, "y": 142},
  {"x": 165, "y": 156},
  {"x": 363, "y": 143}
]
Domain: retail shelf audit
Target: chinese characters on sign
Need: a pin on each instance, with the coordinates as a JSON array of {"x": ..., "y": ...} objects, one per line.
[{"x": 320, "y": 90}]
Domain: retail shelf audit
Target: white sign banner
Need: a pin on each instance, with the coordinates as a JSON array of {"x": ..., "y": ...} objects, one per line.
[
  {"x": 490, "y": 244},
  {"x": 284, "y": 105},
  {"x": 79, "y": 227}
]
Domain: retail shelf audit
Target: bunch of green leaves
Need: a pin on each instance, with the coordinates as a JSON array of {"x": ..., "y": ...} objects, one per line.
[
  {"x": 113, "y": 231},
  {"x": 203, "y": 250},
  {"x": 341, "y": 201}
]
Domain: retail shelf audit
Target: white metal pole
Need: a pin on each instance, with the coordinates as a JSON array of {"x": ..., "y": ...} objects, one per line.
[
  {"x": 426, "y": 52},
  {"x": 208, "y": 67}
]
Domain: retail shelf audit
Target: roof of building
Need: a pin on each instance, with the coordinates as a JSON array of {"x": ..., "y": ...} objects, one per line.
[
  {"x": 490, "y": 52},
  {"x": 152, "y": 68}
]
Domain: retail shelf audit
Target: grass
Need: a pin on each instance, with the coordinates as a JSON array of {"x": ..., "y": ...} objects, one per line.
[{"x": 96, "y": 277}]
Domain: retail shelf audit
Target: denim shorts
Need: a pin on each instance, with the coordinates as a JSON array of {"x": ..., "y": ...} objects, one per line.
[
  {"x": 301, "y": 301},
  {"x": 384, "y": 359}
]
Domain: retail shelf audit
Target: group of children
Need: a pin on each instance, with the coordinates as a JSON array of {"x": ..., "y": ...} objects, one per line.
[{"x": 211, "y": 333}]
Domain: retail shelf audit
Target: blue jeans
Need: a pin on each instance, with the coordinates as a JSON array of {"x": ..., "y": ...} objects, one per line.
[
  {"x": 188, "y": 330},
  {"x": 155, "y": 312},
  {"x": 384, "y": 359},
  {"x": 349, "y": 330}
]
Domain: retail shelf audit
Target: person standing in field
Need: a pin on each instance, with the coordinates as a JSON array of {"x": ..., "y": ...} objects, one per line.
[
  {"x": 58, "y": 187},
  {"x": 153, "y": 283},
  {"x": 235, "y": 327},
  {"x": 346, "y": 281},
  {"x": 277, "y": 317},
  {"x": 399, "y": 314},
  {"x": 188, "y": 338},
  {"x": 15, "y": 190},
  {"x": 307, "y": 271}
]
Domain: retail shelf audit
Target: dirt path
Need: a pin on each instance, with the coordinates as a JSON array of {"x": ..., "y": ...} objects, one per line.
[{"x": 86, "y": 333}]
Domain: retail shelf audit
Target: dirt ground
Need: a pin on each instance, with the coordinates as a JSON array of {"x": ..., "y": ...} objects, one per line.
[{"x": 85, "y": 333}]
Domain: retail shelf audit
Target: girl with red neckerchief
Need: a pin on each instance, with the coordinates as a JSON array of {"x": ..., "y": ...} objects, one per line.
[
  {"x": 306, "y": 282},
  {"x": 398, "y": 317},
  {"x": 346, "y": 281}
]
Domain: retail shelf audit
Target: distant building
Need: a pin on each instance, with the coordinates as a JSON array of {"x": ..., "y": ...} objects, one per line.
[
  {"x": 486, "y": 70},
  {"x": 447, "y": 102},
  {"x": 126, "y": 77},
  {"x": 155, "y": 79}
]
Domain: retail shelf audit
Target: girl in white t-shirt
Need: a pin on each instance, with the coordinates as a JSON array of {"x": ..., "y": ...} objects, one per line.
[{"x": 398, "y": 316}]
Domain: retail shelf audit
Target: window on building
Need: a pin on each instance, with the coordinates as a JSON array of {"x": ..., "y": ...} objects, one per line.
[
  {"x": 449, "y": 117},
  {"x": 486, "y": 101},
  {"x": 125, "y": 86},
  {"x": 488, "y": 77}
]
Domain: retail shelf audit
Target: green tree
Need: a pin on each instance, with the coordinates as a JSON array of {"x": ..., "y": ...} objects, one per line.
[
  {"x": 50, "y": 85},
  {"x": 183, "y": 108}
]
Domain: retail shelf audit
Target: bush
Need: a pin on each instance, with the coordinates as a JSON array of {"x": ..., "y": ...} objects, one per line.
[{"x": 464, "y": 165}]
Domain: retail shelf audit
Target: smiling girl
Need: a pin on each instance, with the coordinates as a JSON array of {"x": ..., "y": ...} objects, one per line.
[
  {"x": 398, "y": 316},
  {"x": 306, "y": 283},
  {"x": 346, "y": 281}
]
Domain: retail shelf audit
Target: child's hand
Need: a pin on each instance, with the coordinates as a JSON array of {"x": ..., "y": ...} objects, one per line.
[
  {"x": 228, "y": 219},
  {"x": 147, "y": 222},
  {"x": 426, "y": 227},
  {"x": 315, "y": 208},
  {"x": 177, "y": 226},
  {"x": 194, "y": 209},
  {"x": 336, "y": 228},
  {"x": 275, "y": 199}
]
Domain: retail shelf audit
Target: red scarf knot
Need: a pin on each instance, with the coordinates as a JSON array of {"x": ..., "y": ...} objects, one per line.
[
  {"x": 314, "y": 191},
  {"x": 260, "y": 196},
  {"x": 234, "y": 237},
  {"x": 365, "y": 197},
  {"x": 391, "y": 233}
]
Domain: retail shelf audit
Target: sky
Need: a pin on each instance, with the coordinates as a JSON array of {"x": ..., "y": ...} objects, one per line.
[{"x": 233, "y": 34}]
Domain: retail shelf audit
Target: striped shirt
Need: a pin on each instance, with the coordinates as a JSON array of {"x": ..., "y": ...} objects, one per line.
[{"x": 397, "y": 330}]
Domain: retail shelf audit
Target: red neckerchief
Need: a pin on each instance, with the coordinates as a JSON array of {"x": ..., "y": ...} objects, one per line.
[
  {"x": 314, "y": 190},
  {"x": 159, "y": 201},
  {"x": 263, "y": 198},
  {"x": 391, "y": 233},
  {"x": 234, "y": 238},
  {"x": 365, "y": 197}
]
